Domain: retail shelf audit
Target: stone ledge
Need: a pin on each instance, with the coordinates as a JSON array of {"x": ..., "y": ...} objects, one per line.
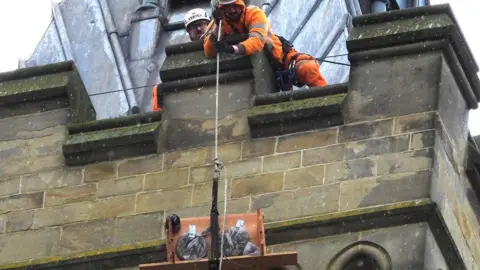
[
  {"x": 296, "y": 115},
  {"x": 276, "y": 233},
  {"x": 43, "y": 88},
  {"x": 113, "y": 139}
]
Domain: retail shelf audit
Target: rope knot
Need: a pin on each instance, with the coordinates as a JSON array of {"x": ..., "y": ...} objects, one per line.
[{"x": 218, "y": 166}]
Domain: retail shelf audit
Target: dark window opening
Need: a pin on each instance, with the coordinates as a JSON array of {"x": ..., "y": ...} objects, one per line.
[{"x": 362, "y": 262}]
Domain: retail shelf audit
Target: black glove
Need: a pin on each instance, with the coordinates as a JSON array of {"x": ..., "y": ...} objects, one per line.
[
  {"x": 217, "y": 15},
  {"x": 222, "y": 46}
]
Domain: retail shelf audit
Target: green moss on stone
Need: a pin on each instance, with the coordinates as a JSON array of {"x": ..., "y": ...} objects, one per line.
[
  {"x": 350, "y": 213},
  {"x": 296, "y": 105},
  {"x": 55, "y": 259},
  {"x": 35, "y": 83},
  {"x": 111, "y": 133}
]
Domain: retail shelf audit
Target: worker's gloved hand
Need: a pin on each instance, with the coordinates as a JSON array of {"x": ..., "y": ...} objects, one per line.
[
  {"x": 217, "y": 15},
  {"x": 222, "y": 46}
]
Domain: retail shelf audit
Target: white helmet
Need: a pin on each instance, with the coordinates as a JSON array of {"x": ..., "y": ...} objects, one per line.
[
  {"x": 226, "y": 2},
  {"x": 195, "y": 15}
]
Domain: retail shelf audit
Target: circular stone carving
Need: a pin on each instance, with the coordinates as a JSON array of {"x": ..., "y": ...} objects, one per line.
[{"x": 362, "y": 248}]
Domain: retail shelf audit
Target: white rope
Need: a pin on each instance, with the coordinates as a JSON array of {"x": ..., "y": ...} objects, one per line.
[{"x": 216, "y": 150}]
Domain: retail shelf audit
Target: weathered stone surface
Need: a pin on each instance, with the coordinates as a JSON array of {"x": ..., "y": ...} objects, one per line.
[
  {"x": 163, "y": 200},
  {"x": 370, "y": 98},
  {"x": 281, "y": 162},
  {"x": 227, "y": 152},
  {"x": 21, "y": 202},
  {"x": 81, "y": 237},
  {"x": 49, "y": 180},
  {"x": 9, "y": 187},
  {"x": 258, "y": 147},
  {"x": 29, "y": 245},
  {"x": 307, "y": 140},
  {"x": 67, "y": 195},
  {"x": 377, "y": 146},
  {"x": 167, "y": 179},
  {"x": 202, "y": 193},
  {"x": 257, "y": 184},
  {"x": 302, "y": 202},
  {"x": 101, "y": 171},
  {"x": 403, "y": 162},
  {"x": 194, "y": 157},
  {"x": 351, "y": 169},
  {"x": 28, "y": 127},
  {"x": 64, "y": 214},
  {"x": 356, "y": 132},
  {"x": 31, "y": 164},
  {"x": 244, "y": 167},
  {"x": 384, "y": 189},
  {"x": 3, "y": 224},
  {"x": 121, "y": 186},
  {"x": 422, "y": 140},
  {"x": 138, "y": 228},
  {"x": 141, "y": 165},
  {"x": 113, "y": 207},
  {"x": 433, "y": 255},
  {"x": 414, "y": 122},
  {"x": 236, "y": 206},
  {"x": 19, "y": 221},
  {"x": 201, "y": 174},
  {"x": 323, "y": 155},
  {"x": 304, "y": 177}
]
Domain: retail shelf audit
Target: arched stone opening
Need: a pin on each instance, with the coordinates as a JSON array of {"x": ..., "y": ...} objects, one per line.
[{"x": 361, "y": 255}]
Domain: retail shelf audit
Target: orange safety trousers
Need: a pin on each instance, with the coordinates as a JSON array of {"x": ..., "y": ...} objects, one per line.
[
  {"x": 307, "y": 69},
  {"x": 156, "y": 107}
]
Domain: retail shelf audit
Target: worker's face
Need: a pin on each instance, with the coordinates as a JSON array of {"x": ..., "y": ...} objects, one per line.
[
  {"x": 197, "y": 29},
  {"x": 232, "y": 12}
]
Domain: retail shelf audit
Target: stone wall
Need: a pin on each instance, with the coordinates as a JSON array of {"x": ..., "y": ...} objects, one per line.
[{"x": 66, "y": 211}]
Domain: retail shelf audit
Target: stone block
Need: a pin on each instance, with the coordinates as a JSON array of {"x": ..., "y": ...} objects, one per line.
[
  {"x": 188, "y": 158},
  {"x": 49, "y": 180},
  {"x": 356, "y": 132},
  {"x": 101, "y": 171},
  {"x": 138, "y": 228},
  {"x": 323, "y": 155},
  {"x": 21, "y": 202},
  {"x": 422, "y": 140},
  {"x": 63, "y": 214},
  {"x": 298, "y": 203},
  {"x": 281, "y": 162},
  {"x": 307, "y": 140},
  {"x": 258, "y": 147},
  {"x": 68, "y": 195},
  {"x": 31, "y": 165},
  {"x": 377, "y": 146},
  {"x": 351, "y": 169},
  {"x": 121, "y": 186},
  {"x": 243, "y": 167},
  {"x": 163, "y": 200},
  {"x": 113, "y": 207},
  {"x": 236, "y": 206},
  {"x": 202, "y": 193},
  {"x": 19, "y": 221},
  {"x": 384, "y": 189},
  {"x": 201, "y": 174},
  {"x": 257, "y": 184},
  {"x": 167, "y": 179},
  {"x": 227, "y": 152},
  {"x": 3, "y": 224},
  {"x": 141, "y": 165},
  {"x": 404, "y": 162},
  {"x": 29, "y": 245},
  {"x": 304, "y": 177},
  {"x": 414, "y": 122},
  {"x": 87, "y": 236},
  {"x": 9, "y": 187}
]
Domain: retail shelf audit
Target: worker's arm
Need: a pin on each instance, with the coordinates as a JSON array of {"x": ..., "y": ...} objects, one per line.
[
  {"x": 210, "y": 39},
  {"x": 257, "y": 32}
]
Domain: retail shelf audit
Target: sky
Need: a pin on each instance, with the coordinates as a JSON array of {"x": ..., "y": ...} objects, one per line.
[{"x": 21, "y": 34}]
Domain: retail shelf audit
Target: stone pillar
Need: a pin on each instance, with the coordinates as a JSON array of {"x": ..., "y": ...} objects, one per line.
[
  {"x": 188, "y": 83},
  {"x": 415, "y": 63}
]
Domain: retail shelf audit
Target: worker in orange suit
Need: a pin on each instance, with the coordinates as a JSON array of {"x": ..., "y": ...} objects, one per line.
[{"x": 237, "y": 18}]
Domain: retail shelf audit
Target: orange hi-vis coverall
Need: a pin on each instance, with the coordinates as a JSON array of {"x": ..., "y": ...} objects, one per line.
[{"x": 260, "y": 35}]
